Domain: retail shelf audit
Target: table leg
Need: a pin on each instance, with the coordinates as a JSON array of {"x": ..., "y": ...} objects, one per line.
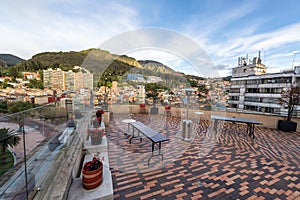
[
  {"x": 128, "y": 129},
  {"x": 249, "y": 129},
  {"x": 159, "y": 148},
  {"x": 252, "y": 131},
  {"x": 215, "y": 124},
  {"x": 159, "y": 153},
  {"x": 132, "y": 136}
]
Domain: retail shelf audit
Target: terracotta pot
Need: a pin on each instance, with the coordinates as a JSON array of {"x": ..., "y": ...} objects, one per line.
[{"x": 92, "y": 179}]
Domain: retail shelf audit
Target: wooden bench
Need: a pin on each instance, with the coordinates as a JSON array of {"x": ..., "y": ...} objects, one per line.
[{"x": 151, "y": 134}]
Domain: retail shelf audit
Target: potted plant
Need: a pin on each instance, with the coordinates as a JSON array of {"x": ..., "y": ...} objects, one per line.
[
  {"x": 96, "y": 135},
  {"x": 290, "y": 97},
  {"x": 92, "y": 174}
]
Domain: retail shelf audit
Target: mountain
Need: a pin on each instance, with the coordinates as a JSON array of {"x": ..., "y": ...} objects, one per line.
[
  {"x": 102, "y": 64},
  {"x": 9, "y": 60},
  {"x": 90, "y": 58},
  {"x": 157, "y": 67}
]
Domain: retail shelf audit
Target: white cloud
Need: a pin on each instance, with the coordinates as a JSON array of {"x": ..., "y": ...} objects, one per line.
[
  {"x": 202, "y": 26},
  {"x": 30, "y": 27},
  {"x": 33, "y": 27},
  {"x": 224, "y": 41},
  {"x": 280, "y": 37},
  {"x": 271, "y": 42},
  {"x": 161, "y": 40}
]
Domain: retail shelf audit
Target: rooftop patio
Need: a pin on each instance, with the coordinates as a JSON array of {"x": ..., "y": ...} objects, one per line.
[{"x": 227, "y": 164}]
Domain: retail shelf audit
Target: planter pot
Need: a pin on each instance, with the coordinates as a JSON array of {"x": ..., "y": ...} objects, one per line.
[
  {"x": 96, "y": 123},
  {"x": 96, "y": 136},
  {"x": 153, "y": 110},
  {"x": 288, "y": 126},
  {"x": 71, "y": 124},
  {"x": 96, "y": 140},
  {"x": 54, "y": 143},
  {"x": 92, "y": 179}
]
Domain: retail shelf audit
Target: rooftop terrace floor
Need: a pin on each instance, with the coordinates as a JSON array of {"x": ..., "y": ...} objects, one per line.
[{"x": 227, "y": 164}]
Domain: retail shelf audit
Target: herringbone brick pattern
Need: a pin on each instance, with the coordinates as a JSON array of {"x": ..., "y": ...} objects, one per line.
[{"x": 226, "y": 165}]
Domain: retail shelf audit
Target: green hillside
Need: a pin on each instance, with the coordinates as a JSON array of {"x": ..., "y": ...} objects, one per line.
[
  {"x": 156, "y": 66},
  {"x": 9, "y": 60},
  {"x": 102, "y": 64}
]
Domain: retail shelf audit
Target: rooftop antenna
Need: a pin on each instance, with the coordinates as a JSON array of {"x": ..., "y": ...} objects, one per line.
[{"x": 293, "y": 67}]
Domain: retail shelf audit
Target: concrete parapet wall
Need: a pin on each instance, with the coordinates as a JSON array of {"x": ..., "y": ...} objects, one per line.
[{"x": 268, "y": 121}]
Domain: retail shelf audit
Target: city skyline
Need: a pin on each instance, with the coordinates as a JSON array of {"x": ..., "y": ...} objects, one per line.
[{"x": 225, "y": 30}]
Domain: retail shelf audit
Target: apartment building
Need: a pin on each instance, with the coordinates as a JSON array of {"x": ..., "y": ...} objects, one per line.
[
  {"x": 83, "y": 81},
  {"x": 253, "y": 90},
  {"x": 68, "y": 81}
]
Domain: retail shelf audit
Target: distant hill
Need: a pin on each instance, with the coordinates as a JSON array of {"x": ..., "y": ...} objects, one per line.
[
  {"x": 91, "y": 58},
  {"x": 100, "y": 63},
  {"x": 157, "y": 67},
  {"x": 9, "y": 60}
]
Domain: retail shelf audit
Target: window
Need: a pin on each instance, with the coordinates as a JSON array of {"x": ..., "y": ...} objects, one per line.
[
  {"x": 234, "y": 90},
  {"x": 270, "y": 100},
  {"x": 252, "y": 99},
  {"x": 233, "y": 105},
  {"x": 235, "y": 98},
  {"x": 269, "y": 110},
  {"x": 252, "y": 90}
]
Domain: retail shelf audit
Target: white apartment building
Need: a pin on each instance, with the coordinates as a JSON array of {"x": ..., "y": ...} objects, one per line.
[
  {"x": 68, "y": 81},
  {"x": 83, "y": 81},
  {"x": 253, "y": 90}
]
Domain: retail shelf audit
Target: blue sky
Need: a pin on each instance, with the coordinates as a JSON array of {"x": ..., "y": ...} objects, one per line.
[{"x": 224, "y": 29}]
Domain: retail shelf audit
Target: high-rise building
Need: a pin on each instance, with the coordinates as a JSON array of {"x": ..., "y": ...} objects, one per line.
[
  {"x": 253, "y": 90},
  {"x": 68, "y": 81},
  {"x": 83, "y": 81},
  {"x": 58, "y": 79}
]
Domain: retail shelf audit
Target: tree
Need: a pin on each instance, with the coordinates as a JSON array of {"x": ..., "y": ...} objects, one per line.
[
  {"x": 152, "y": 90},
  {"x": 3, "y": 106},
  {"x": 290, "y": 97},
  {"x": 193, "y": 83},
  {"x": 53, "y": 113},
  {"x": 7, "y": 138},
  {"x": 4, "y": 84},
  {"x": 18, "y": 107},
  {"x": 13, "y": 72},
  {"x": 34, "y": 83}
]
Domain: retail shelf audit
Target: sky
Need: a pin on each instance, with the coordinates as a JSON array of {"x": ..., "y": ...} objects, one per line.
[{"x": 222, "y": 29}]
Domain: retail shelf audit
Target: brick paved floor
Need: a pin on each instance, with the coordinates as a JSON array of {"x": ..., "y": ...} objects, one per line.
[{"x": 228, "y": 165}]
